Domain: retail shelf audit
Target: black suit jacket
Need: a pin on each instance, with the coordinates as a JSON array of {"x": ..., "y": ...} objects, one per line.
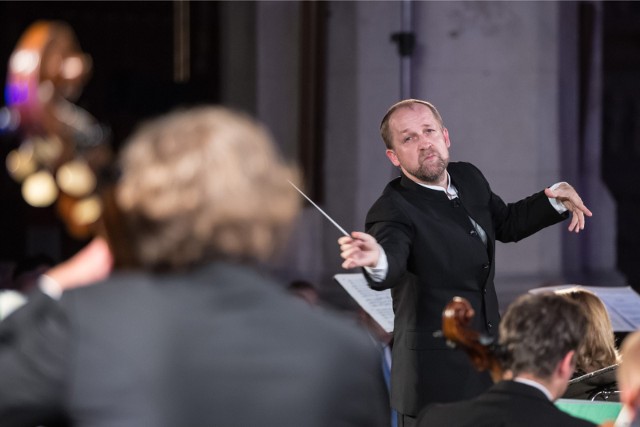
[
  {"x": 434, "y": 254},
  {"x": 218, "y": 346},
  {"x": 506, "y": 404}
]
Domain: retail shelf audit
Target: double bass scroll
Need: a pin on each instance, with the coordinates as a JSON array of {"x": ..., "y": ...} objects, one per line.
[{"x": 64, "y": 150}]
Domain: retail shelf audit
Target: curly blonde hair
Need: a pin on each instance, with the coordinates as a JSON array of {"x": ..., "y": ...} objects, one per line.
[{"x": 203, "y": 184}]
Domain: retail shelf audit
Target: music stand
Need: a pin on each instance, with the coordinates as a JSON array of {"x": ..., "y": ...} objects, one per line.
[{"x": 596, "y": 385}]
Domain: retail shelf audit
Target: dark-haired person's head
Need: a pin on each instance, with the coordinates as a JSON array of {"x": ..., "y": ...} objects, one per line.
[{"x": 541, "y": 333}]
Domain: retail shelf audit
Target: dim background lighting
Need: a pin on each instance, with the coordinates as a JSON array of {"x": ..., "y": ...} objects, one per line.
[
  {"x": 87, "y": 211},
  {"x": 20, "y": 163},
  {"x": 39, "y": 189},
  {"x": 76, "y": 178}
]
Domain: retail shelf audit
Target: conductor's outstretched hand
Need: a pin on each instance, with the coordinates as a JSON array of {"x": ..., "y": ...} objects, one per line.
[
  {"x": 568, "y": 196},
  {"x": 359, "y": 250}
]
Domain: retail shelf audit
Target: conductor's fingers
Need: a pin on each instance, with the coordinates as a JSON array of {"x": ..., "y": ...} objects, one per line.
[
  {"x": 348, "y": 253},
  {"x": 574, "y": 225},
  {"x": 367, "y": 238},
  {"x": 344, "y": 240}
]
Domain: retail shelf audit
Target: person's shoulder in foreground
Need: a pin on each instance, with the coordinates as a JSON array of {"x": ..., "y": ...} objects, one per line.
[
  {"x": 231, "y": 334},
  {"x": 184, "y": 331},
  {"x": 506, "y": 404}
]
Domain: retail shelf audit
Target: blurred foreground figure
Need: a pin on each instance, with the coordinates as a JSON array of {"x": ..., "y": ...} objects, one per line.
[
  {"x": 629, "y": 381},
  {"x": 188, "y": 334}
]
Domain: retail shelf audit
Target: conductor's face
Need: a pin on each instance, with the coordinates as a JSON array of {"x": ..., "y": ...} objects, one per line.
[{"x": 420, "y": 145}]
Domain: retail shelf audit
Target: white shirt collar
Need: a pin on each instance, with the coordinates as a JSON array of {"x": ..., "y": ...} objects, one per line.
[{"x": 450, "y": 191}]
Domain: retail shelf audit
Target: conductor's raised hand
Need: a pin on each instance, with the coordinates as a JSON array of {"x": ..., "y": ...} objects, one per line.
[
  {"x": 568, "y": 196},
  {"x": 359, "y": 250}
]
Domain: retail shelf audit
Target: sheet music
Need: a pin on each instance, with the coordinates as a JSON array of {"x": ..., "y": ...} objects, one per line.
[
  {"x": 622, "y": 302},
  {"x": 377, "y": 303}
]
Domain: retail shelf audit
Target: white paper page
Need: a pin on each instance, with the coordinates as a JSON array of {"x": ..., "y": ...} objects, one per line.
[
  {"x": 377, "y": 303},
  {"x": 622, "y": 302}
]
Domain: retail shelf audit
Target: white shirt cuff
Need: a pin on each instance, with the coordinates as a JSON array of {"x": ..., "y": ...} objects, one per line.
[
  {"x": 558, "y": 206},
  {"x": 50, "y": 287},
  {"x": 379, "y": 272},
  {"x": 10, "y": 301}
]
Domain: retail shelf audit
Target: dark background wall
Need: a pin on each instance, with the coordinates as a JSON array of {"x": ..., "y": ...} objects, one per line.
[
  {"x": 231, "y": 43},
  {"x": 621, "y": 128}
]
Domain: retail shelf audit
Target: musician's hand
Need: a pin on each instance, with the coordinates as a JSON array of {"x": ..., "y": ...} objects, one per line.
[
  {"x": 91, "y": 264},
  {"x": 359, "y": 250},
  {"x": 568, "y": 196}
]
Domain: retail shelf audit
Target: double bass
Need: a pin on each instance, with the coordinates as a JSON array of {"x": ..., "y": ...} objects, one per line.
[
  {"x": 65, "y": 155},
  {"x": 63, "y": 148}
]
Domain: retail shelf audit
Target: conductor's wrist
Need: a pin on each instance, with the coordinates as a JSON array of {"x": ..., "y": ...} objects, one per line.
[{"x": 379, "y": 271}]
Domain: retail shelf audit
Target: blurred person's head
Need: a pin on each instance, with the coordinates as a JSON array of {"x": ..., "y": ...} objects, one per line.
[
  {"x": 598, "y": 349},
  {"x": 203, "y": 184},
  {"x": 539, "y": 336},
  {"x": 628, "y": 373}
]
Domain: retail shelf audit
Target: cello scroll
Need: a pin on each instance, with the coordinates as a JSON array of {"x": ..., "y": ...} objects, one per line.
[{"x": 456, "y": 320}]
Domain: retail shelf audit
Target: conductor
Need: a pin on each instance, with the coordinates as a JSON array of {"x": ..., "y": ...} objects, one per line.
[{"x": 431, "y": 236}]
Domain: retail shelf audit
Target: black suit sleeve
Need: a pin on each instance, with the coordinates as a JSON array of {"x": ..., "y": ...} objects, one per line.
[
  {"x": 394, "y": 232},
  {"x": 515, "y": 221},
  {"x": 33, "y": 361}
]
